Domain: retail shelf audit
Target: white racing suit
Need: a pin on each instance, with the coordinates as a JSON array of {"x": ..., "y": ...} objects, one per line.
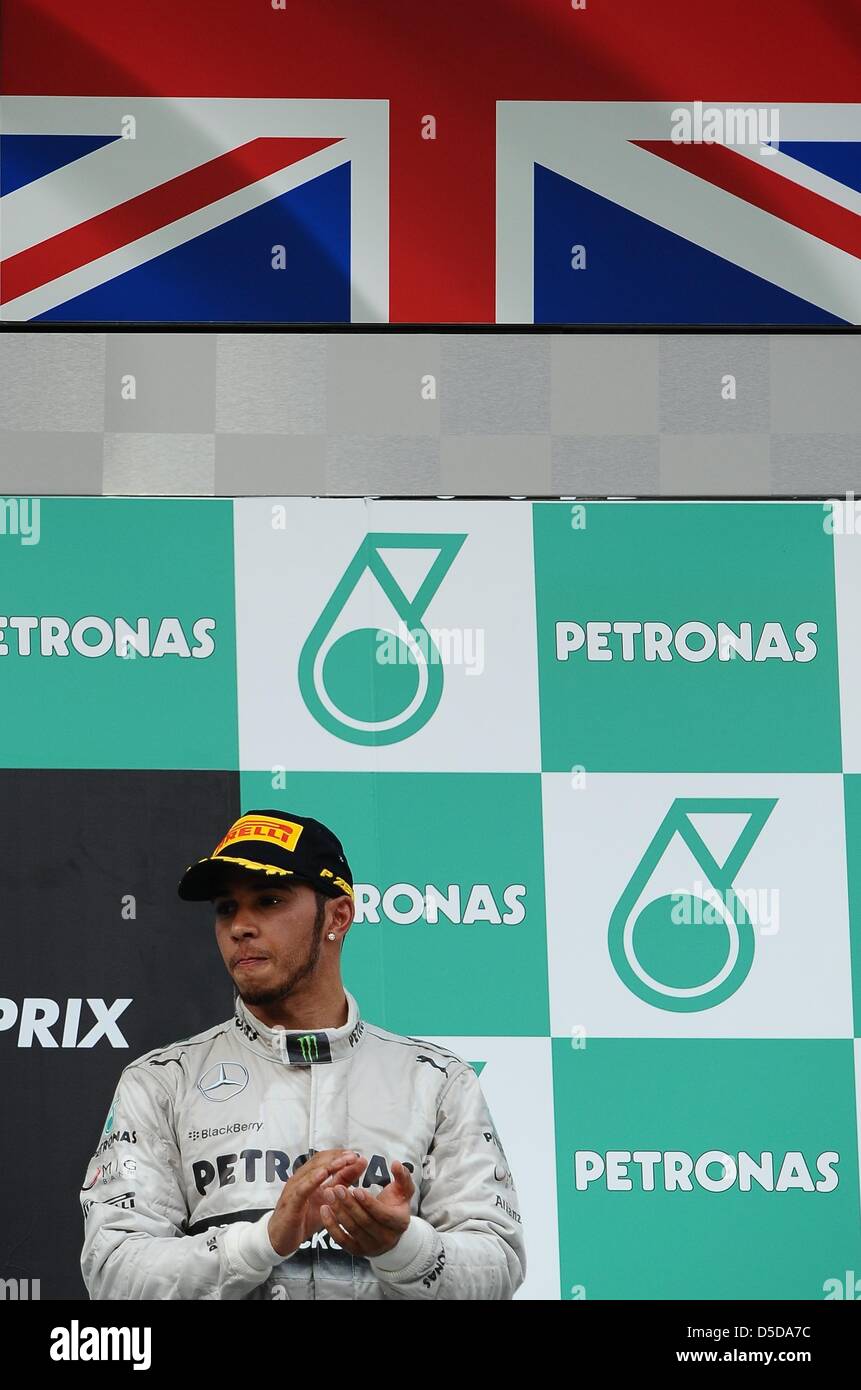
[{"x": 202, "y": 1135}]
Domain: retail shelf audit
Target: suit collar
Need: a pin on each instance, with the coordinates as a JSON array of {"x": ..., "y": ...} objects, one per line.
[{"x": 300, "y": 1047}]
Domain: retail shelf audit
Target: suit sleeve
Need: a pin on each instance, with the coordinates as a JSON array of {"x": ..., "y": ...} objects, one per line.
[
  {"x": 467, "y": 1240},
  {"x": 135, "y": 1209}
]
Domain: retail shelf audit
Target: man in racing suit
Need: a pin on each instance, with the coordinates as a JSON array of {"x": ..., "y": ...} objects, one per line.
[{"x": 296, "y": 1151}]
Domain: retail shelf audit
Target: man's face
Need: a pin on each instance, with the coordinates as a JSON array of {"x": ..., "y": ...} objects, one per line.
[{"x": 269, "y": 936}]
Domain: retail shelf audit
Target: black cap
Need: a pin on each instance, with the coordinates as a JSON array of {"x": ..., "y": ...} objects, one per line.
[{"x": 272, "y": 842}]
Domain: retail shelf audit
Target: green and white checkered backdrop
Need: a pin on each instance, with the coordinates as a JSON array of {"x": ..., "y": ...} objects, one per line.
[{"x": 598, "y": 773}]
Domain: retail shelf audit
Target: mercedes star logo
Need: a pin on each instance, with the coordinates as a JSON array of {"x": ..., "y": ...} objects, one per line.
[{"x": 223, "y": 1081}]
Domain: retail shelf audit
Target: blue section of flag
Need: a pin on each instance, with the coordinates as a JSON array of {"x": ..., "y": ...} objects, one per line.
[
  {"x": 227, "y": 273},
  {"x": 638, "y": 272},
  {"x": 24, "y": 158},
  {"x": 839, "y": 159}
]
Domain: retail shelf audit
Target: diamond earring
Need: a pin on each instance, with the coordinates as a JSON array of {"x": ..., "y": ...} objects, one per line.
[{"x": 331, "y": 936}]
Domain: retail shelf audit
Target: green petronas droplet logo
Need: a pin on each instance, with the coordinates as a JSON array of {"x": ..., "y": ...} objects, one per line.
[
  {"x": 687, "y": 951},
  {"x": 377, "y": 684}
]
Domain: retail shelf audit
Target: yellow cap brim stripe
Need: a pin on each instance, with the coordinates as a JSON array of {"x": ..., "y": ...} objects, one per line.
[
  {"x": 270, "y": 869},
  {"x": 250, "y": 864}
]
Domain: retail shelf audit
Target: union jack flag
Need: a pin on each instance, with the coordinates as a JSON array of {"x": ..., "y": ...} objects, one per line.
[{"x": 505, "y": 160}]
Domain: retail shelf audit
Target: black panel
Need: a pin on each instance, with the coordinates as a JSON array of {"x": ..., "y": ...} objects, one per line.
[{"x": 75, "y": 844}]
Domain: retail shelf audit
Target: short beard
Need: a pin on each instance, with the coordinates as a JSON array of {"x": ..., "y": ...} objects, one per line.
[{"x": 286, "y": 988}]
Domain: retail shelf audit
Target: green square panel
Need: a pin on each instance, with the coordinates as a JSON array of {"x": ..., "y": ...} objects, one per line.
[
  {"x": 107, "y": 576},
  {"x": 696, "y": 637},
  {"x": 450, "y": 931},
  {"x": 655, "y": 1145}
]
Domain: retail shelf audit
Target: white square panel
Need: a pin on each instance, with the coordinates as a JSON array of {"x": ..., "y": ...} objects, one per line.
[
  {"x": 317, "y": 672},
  {"x": 619, "y": 967},
  {"x": 845, "y": 519}
]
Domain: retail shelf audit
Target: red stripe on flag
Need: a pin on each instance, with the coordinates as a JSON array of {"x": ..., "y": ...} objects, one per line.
[
  {"x": 157, "y": 207},
  {"x": 763, "y": 186},
  {"x": 442, "y": 223}
]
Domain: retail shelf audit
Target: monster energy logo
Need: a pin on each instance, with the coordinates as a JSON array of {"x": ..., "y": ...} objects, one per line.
[{"x": 304, "y": 1048}]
